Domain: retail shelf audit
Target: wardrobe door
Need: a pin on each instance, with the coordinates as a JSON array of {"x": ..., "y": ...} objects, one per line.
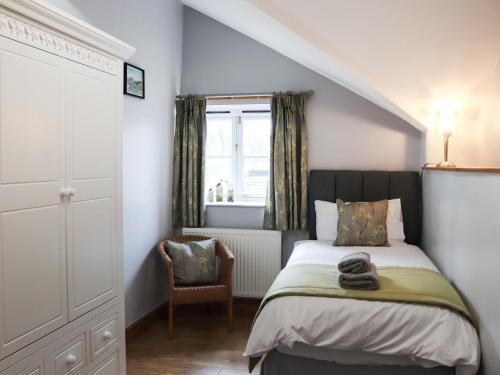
[
  {"x": 33, "y": 290},
  {"x": 92, "y": 258}
]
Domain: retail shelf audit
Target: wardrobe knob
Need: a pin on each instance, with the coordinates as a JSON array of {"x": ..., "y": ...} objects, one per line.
[
  {"x": 67, "y": 192},
  {"x": 107, "y": 335},
  {"x": 71, "y": 359}
]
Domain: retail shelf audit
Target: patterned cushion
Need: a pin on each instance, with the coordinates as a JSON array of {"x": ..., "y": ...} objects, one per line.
[
  {"x": 193, "y": 262},
  {"x": 362, "y": 223}
]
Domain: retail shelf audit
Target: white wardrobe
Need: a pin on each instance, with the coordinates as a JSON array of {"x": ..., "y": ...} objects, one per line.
[{"x": 61, "y": 293}]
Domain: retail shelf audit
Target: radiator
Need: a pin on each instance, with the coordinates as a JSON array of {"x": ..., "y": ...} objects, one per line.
[{"x": 257, "y": 256}]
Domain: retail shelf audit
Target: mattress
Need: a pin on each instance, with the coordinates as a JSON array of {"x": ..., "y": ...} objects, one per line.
[{"x": 348, "y": 331}]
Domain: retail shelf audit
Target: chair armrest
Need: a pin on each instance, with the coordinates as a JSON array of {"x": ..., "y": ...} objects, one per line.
[
  {"x": 226, "y": 264},
  {"x": 169, "y": 265},
  {"x": 223, "y": 252}
]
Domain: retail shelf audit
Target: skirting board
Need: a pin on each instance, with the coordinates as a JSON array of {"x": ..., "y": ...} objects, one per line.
[{"x": 134, "y": 329}]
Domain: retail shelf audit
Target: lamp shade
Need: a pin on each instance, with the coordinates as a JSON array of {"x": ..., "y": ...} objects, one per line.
[{"x": 447, "y": 121}]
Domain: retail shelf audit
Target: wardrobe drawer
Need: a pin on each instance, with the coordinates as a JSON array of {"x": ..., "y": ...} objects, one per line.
[
  {"x": 23, "y": 368},
  {"x": 104, "y": 336},
  {"x": 69, "y": 358},
  {"x": 36, "y": 371},
  {"x": 77, "y": 352},
  {"x": 109, "y": 366}
]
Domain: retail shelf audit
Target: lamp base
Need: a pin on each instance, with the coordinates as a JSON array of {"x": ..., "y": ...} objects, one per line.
[{"x": 446, "y": 164}]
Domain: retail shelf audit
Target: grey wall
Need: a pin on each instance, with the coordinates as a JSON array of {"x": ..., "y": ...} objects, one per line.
[
  {"x": 154, "y": 28},
  {"x": 345, "y": 130},
  {"x": 461, "y": 234}
]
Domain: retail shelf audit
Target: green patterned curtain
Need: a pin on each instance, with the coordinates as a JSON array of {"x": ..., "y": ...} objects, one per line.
[
  {"x": 286, "y": 202},
  {"x": 188, "y": 208}
]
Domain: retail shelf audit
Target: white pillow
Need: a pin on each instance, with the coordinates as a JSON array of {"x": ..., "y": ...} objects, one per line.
[
  {"x": 394, "y": 212},
  {"x": 395, "y": 227},
  {"x": 395, "y": 231},
  {"x": 327, "y": 218}
]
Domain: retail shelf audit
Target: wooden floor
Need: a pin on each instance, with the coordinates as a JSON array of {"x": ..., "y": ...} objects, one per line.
[{"x": 200, "y": 345}]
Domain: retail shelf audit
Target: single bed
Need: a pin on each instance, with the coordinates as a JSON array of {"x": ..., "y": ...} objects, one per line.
[{"x": 319, "y": 335}]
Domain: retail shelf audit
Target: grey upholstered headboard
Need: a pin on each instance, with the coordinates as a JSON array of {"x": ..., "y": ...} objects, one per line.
[{"x": 366, "y": 186}]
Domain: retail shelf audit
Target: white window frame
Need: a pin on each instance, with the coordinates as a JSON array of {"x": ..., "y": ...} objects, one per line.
[{"x": 235, "y": 113}]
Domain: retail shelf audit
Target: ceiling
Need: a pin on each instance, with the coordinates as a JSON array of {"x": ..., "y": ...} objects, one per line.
[{"x": 411, "y": 57}]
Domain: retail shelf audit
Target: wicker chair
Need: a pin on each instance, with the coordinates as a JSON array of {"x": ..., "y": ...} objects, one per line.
[{"x": 221, "y": 291}]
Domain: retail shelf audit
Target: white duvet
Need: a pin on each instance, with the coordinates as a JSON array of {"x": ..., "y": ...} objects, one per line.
[{"x": 350, "y": 331}]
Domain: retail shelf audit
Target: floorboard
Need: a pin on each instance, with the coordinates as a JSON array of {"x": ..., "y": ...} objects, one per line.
[{"x": 200, "y": 345}]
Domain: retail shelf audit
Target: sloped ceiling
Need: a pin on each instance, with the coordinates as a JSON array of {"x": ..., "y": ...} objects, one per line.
[{"x": 411, "y": 57}]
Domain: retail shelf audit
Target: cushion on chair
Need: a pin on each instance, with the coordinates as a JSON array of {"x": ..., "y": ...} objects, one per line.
[{"x": 193, "y": 262}]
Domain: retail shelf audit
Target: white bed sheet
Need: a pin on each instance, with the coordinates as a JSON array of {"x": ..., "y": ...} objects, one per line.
[{"x": 349, "y": 331}]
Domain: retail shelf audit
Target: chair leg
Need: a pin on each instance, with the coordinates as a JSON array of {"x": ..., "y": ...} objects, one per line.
[
  {"x": 230, "y": 316},
  {"x": 170, "y": 319}
]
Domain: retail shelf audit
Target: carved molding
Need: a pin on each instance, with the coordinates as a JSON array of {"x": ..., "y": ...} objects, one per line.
[{"x": 28, "y": 33}]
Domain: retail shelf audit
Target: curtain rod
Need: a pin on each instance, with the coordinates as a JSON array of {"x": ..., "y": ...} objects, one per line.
[
  {"x": 236, "y": 97},
  {"x": 307, "y": 93}
]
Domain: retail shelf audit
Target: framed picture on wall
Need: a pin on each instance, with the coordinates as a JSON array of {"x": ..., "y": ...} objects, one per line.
[{"x": 133, "y": 81}]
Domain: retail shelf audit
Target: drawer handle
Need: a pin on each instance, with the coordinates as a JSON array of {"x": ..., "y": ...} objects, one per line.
[
  {"x": 71, "y": 359},
  {"x": 107, "y": 335}
]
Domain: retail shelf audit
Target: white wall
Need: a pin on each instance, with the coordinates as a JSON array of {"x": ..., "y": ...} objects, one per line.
[
  {"x": 413, "y": 52},
  {"x": 345, "y": 130},
  {"x": 477, "y": 131},
  {"x": 154, "y": 28},
  {"x": 461, "y": 234},
  {"x": 406, "y": 56}
]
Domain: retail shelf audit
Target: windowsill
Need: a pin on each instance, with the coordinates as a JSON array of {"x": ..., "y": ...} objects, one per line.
[{"x": 235, "y": 204}]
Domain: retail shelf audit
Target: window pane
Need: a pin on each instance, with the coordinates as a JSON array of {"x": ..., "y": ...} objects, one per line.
[
  {"x": 216, "y": 169},
  {"x": 256, "y": 136},
  {"x": 256, "y": 175},
  {"x": 219, "y": 135}
]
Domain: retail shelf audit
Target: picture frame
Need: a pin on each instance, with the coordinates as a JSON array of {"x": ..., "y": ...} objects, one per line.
[{"x": 134, "y": 81}]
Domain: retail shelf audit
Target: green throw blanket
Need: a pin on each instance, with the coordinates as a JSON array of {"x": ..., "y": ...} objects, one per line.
[{"x": 397, "y": 284}]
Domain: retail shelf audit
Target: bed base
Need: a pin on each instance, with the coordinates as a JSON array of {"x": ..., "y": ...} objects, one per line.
[{"x": 277, "y": 363}]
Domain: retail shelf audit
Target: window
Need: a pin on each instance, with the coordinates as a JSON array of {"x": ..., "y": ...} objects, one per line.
[{"x": 237, "y": 152}]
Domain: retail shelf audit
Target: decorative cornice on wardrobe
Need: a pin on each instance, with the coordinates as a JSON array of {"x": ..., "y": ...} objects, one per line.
[
  {"x": 30, "y": 34},
  {"x": 37, "y": 32}
]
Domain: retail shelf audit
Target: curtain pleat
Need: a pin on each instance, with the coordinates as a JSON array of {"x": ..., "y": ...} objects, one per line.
[
  {"x": 286, "y": 201},
  {"x": 189, "y": 163}
]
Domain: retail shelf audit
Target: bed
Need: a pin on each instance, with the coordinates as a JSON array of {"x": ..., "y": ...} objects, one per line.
[{"x": 319, "y": 335}]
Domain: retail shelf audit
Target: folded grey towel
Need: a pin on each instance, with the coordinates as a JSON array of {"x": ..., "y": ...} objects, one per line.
[
  {"x": 355, "y": 263},
  {"x": 364, "y": 281}
]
